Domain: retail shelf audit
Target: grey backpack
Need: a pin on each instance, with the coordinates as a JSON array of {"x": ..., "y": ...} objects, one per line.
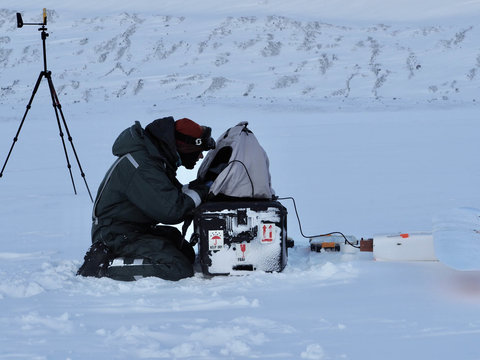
[{"x": 238, "y": 166}]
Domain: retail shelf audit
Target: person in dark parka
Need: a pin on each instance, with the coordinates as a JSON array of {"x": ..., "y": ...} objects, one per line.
[{"x": 139, "y": 191}]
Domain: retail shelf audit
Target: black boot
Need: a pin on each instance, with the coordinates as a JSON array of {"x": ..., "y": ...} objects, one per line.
[{"x": 96, "y": 260}]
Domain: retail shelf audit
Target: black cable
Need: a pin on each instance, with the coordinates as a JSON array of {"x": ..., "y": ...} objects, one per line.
[
  {"x": 319, "y": 235},
  {"x": 246, "y": 170},
  {"x": 296, "y": 211}
]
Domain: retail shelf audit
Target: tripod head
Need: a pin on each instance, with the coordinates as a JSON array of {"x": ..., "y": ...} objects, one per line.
[
  {"x": 44, "y": 33},
  {"x": 20, "y": 22}
]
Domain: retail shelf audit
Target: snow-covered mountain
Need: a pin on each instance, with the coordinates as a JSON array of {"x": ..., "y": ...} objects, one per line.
[
  {"x": 258, "y": 59},
  {"x": 368, "y": 111}
]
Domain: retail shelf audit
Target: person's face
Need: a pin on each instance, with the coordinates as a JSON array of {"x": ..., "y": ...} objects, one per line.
[
  {"x": 189, "y": 160},
  {"x": 200, "y": 156}
]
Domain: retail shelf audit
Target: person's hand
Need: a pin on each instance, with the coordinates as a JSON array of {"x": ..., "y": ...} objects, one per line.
[{"x": 200, "y": 188}]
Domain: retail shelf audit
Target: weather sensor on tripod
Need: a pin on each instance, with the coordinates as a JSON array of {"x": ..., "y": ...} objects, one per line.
[{"x": 56, "y": 104}]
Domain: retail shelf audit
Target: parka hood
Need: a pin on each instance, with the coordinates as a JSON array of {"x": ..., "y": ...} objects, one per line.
[{"x": 135, "y": 139}]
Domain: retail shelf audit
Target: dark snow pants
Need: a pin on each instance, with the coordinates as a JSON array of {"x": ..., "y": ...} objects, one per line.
[{"x": 162, "y": 252}]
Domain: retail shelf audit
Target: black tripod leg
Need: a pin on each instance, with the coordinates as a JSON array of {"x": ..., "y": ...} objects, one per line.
[
  {"x": 57, "y": 105},
  {"x": 29, "y": 105}
]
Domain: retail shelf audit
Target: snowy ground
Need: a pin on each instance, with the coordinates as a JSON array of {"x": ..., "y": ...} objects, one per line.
[{"x": 365, "y": 140}]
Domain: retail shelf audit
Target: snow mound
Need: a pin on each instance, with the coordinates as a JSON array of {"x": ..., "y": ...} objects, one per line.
[{"x": 457, "y": 238}]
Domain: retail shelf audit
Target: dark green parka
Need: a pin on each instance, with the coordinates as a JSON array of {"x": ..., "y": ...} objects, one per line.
[{"x": 139, "y": 191}]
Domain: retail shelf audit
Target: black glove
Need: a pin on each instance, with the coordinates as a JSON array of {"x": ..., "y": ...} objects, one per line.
[
  {"x": 196, "y": 182},
  {"x": 200, "y": 188}
]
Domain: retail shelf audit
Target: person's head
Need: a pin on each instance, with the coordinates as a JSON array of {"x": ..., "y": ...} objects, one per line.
[{"x": 191, "y": 139}]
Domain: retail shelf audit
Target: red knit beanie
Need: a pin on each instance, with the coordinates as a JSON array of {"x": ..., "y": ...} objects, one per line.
[{"x": 190, "y": 128}]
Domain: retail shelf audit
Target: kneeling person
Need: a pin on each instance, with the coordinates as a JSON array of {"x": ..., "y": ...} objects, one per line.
[{"x": 139, "y": 191}]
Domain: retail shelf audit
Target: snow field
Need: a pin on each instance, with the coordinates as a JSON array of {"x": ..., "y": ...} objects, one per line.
[{"x": 368, "y": 112}]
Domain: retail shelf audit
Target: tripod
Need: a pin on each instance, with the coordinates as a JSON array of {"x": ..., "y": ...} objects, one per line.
[{"x": 56, "y": 105}]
